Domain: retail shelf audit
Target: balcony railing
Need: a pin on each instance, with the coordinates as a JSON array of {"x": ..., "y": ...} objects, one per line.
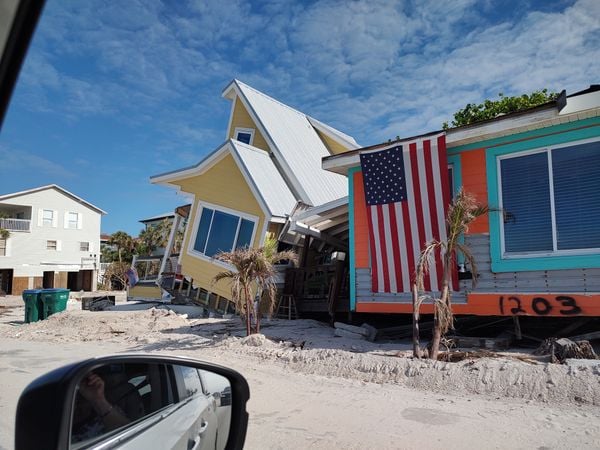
[{"x": 16, "y": 224}]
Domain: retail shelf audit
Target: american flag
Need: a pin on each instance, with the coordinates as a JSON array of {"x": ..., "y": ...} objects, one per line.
[{"x": 407, "y": 193}]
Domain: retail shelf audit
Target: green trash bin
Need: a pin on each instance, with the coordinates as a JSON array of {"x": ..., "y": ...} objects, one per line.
[
  {"x": 54, "y": 300},
  {"x": 34, "y": 308}
]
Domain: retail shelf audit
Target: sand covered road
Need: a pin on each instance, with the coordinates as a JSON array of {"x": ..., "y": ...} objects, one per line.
[{"x": 334, "y": 393}]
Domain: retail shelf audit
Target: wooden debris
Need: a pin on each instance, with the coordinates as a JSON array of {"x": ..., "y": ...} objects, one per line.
[
  {"x": 498, "y": 343},
  {"x": 371, "y": 332},
  {"x": 456, "y": 356},
  {"x": 348, "y": 334},
  {"x": 561, "y": 349},
  {"x": 586, "y": 337},
  {"x": 351, "y": 328}
]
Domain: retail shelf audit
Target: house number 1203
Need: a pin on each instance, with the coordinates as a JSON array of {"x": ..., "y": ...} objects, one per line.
[{"x": 539, "y": 306}]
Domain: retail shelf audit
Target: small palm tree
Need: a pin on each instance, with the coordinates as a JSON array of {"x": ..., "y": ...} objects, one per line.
[
  {"x": 4, "y": 233},
  {"x": 253, "y": 267},
  {"x": 123, "y": 242},
  {"x": 463, "y": 210}
]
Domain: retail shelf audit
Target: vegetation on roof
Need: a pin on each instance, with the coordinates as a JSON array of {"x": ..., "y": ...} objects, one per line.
[{"x": 491, "y": 109}]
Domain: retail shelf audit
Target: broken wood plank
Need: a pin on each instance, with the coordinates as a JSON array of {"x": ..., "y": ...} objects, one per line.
[
  {"x": 482, "y": 342},
  {"x": 351, "y": 328},
  {"x": 372, "y": 332},
  {"x": 347, "y": 334},
  {"x": 586, "y": 337}
]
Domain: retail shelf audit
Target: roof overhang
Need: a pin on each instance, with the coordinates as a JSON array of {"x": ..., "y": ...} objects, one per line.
[
  {"x": 227, "y": 148},
  {"x": 168, "y": 178},
  {"x": 328, "y": 223},
  {"x": 336, "y": 135},
  {"x": 58, "y": 188}
]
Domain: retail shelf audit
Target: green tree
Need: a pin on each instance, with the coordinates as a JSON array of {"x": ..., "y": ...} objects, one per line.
[
  {"x": 153, "y": 237},
  {"x": 125, "y": 244},
  {"x": 461, "y": 213},
  {"x": 253, "y": 273},
  {"x": 4, "y": 233},
  {"x": 490, "y": 109}
]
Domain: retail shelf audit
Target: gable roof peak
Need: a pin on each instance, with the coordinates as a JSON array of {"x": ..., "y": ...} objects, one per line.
[{"x": 57, "y": 188}]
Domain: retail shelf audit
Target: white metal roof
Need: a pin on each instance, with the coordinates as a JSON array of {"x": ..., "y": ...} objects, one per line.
[
  {"x": 160, "y": 216},
  {"x": 258, "y": 169},
  {"x": 295, "y": 144},
  {"x": 58, "y": 188},
  {"x": 268, "y": 181}
]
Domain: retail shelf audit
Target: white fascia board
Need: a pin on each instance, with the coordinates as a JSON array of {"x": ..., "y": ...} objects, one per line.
[
  {"x": 58, "y": 188},
  {"x": 229, "y": 90},
  {"x": 289, "y": 174},
  {"x": 581, "y": 103},
  {"x": 334, "y": 134},
  {"x": 500, "y": 127},
  {"x": 341, "y": 163},
  {"x": 277, "y": 219},
  {"x": 318, "y": 210},
  {"x": 198, "y": 169}
]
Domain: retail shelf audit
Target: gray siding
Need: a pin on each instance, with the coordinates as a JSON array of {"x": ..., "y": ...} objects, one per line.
[{"x": 542, "y": 281}]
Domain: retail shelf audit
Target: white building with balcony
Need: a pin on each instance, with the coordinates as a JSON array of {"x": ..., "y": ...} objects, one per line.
[{"x": 54, "y": 240}]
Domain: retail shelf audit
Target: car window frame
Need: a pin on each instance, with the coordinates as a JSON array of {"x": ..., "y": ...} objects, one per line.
[{"x": 136, "y": 427}]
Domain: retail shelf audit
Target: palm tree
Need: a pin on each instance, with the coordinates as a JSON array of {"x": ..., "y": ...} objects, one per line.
[
  {"x": 122, "y": 241},
  {"x": 253, "y": 270},
  {"x": 463, "y": 210},
  {"x": 153, "y": 237}
]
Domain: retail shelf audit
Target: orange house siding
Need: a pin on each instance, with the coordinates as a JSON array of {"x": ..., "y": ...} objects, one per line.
[
  {"x": 502, "y": 304},
  {"x": 474, "y": 181},
  {"x": 361, "y": 225}
]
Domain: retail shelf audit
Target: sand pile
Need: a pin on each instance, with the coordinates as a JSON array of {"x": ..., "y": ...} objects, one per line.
[
  {"x": 311, "y": 348},
  {"x": 577, "y": 382},
  {"x": 84, "y": 326}
]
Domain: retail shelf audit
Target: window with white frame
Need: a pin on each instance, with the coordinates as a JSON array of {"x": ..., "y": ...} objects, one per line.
[
  {"x": 51, "y": 245},
  {"x": 47, "y": 217},
  {"x": 245, "y": 135},
  {"x": 2, "y": 247},
  {"x": 221, "y": 231},
  {"x": 72, "y": 220},
  {"x": 84, "y": 246},
  {"x": 549, "y": 200}
]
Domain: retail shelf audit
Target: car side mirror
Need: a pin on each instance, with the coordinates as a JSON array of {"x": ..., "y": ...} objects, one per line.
[{"x": 153, "y": 401}]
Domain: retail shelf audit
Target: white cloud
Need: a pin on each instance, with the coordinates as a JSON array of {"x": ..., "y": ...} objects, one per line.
[
  {"x": 20, "y": 161},
  {"x": 372, "y": 68}
]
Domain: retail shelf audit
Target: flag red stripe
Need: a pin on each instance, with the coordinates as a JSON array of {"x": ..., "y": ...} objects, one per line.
[
  {"x": 388, "y": 243},
  {"x": 382, "y": 247},
  {"x": 396, "y": 248},
  {"x": 432, "y": 207},
  {"x": 410, "y": 252},
  {"x": 374, "y": 277},
  {"x": 419, "y": 207}
]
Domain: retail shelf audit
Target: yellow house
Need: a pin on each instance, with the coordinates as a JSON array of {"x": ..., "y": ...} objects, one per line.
[{"x": 250, "y": 184}]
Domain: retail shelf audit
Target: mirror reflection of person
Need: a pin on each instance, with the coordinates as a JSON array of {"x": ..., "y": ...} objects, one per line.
[{"x": 94, "y": 414}]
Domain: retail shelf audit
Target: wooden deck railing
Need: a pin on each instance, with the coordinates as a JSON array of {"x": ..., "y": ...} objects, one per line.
[{"x": 16, "y": 224}]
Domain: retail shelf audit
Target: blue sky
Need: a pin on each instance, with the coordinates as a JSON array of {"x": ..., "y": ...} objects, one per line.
[{"x": 111, "y": 94}]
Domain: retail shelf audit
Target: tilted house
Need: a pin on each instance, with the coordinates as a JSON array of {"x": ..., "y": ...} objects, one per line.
[
  {"x": 538, "y": 253},
  {"x": 248, "y": 186}
]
